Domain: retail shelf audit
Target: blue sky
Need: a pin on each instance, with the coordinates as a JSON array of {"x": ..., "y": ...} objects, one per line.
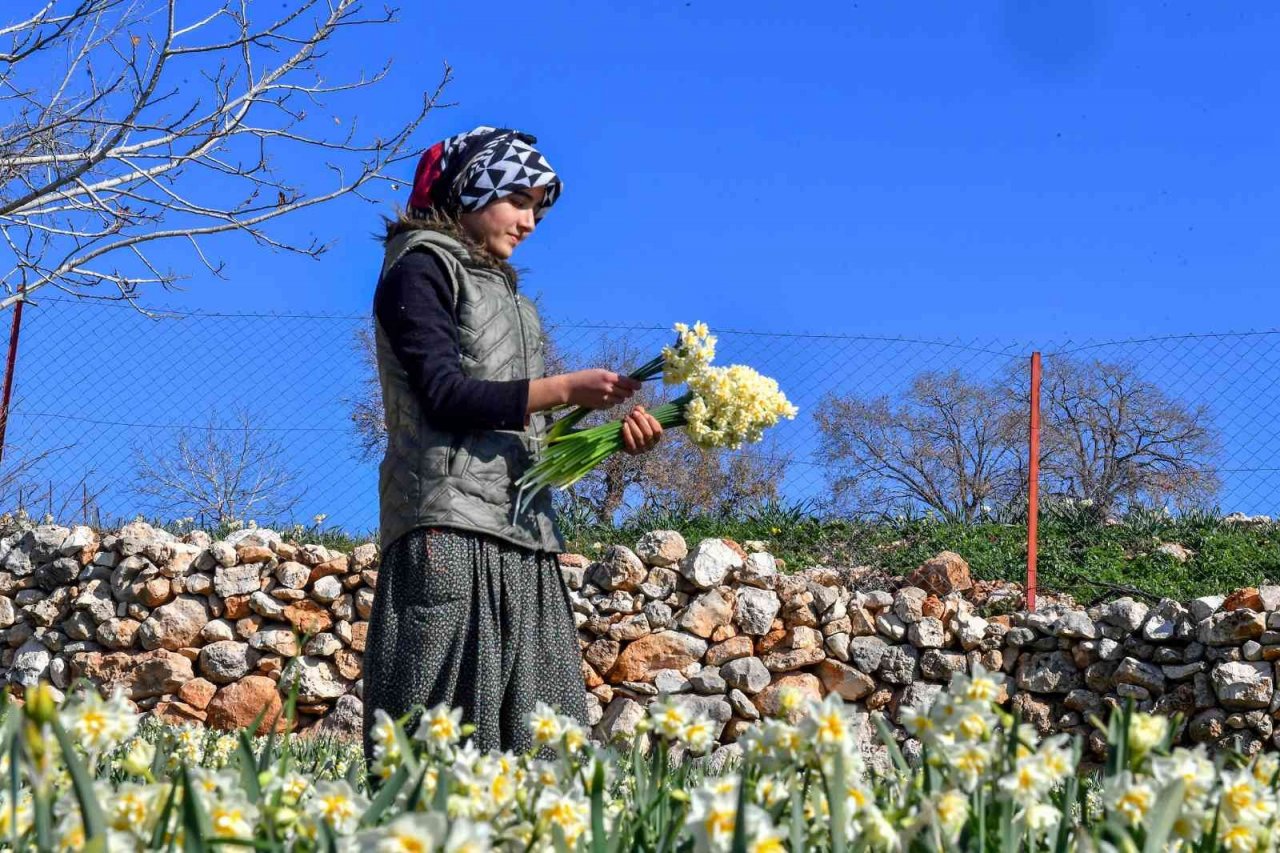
[
  {"x": 1015, "y": 174},
  {"x": 986, "y": 169}
]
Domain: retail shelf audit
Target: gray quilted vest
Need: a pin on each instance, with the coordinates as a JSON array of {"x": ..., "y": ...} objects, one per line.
[{"x": 436, "y": 477}]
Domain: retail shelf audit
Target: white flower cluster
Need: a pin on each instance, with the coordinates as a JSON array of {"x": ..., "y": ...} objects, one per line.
[
  {"x": 802, "y": 785},
  {"x": 732, "y": 406},
  {"x": 729, "y": 406},
  {"x": 690, "y": 355}
]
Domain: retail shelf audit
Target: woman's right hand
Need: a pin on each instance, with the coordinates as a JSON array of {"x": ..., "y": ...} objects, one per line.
[{"x": 597, "y": 388}]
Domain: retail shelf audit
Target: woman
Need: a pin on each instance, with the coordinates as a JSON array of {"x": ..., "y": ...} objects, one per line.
[{"x": 471, "y": 610}]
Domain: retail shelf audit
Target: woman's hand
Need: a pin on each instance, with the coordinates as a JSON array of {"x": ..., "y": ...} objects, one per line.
[
  {"x": 597, "y": 388},
  {"x": 640, "y": 431}
]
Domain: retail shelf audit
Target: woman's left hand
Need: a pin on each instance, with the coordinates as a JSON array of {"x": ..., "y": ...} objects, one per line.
[{"x": 640, "y": 431}]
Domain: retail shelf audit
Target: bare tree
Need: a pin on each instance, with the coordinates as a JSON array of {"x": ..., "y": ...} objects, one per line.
[
  {"x": 126, "y": 124},
  {"x": 367, "y": 415},
  {"x": 219, "y": 472},
  {"x": 1116, "y": 439},
  {"x": 688, "y": 480},
  {"x": 1108, "y": 437},
  {"x": 949, "y": 444}
]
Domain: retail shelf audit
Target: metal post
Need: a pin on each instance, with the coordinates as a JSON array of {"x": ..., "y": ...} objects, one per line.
[
  {"x": 1033, "y": 483},
  {"x": 9, "y": 369}
]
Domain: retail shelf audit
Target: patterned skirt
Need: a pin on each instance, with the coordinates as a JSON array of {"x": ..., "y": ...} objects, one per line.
[{"x": 476, "y": 623}]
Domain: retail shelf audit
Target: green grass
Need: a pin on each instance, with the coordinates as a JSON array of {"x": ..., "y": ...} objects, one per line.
[{"x": 1078, "y": 555}]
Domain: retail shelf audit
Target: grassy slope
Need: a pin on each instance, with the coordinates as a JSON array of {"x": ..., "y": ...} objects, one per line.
[{"x": 1075, "y": 555}]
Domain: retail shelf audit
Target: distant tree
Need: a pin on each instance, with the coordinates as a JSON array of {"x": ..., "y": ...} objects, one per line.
[
  {"x": 1108, "y": 437},
  {"x": 947, "y": 444},
  {"x": 125, "y": 124},
  {"x": 1118, "y": 440},
  {"x": 688, "y": 480},
  {"x": 221, "y": 472},
  {"x": 367, "y": 415}
]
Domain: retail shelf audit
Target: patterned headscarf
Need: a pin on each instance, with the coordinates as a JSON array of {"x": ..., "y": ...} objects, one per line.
[{"x": 467, "y": 171}]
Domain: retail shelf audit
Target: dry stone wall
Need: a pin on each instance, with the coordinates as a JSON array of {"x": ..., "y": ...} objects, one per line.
[{"x": 201, "y": 631}]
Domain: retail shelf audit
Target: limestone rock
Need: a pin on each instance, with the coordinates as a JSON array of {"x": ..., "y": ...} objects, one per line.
[
  {"x": 141, "y": 675},
  {"x": 755, "y": 610},
  {"x": 227, "y": 661},
  {"x": 749, "y": 674},
  {"x": 317, "y": 679},
  {"x": 237, "y": 705},
  {"x": 236, "y": 580},
  {"x": 663, "y": 650},
  {"x": 175, "y": 625},
  {"x": 844, "y": 680},
  {"x": 665, "y": 548},
  {"x": 620, "y": 719},
  {"x": 944, "y": 574},
  {"x": 709, "y": 563},
  {"x": 1242, "y": 686},
  {"x": 1232, "y": 627},
  {"x": 346, "y": 720},
  {"x": 775, "y": 701},
  {"x": 1049, "y": 672},
  {"x": 708, "y": 612}
]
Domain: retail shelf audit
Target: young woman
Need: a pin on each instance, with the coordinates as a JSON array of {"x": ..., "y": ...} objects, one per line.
[{"x": 471, "y": 610}]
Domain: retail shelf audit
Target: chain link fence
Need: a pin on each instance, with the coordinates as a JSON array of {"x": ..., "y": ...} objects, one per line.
[{"x": 177, "y": 414}]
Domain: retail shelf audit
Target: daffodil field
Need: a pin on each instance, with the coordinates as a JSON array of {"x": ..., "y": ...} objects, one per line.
[{"x": 87, "y": 774}]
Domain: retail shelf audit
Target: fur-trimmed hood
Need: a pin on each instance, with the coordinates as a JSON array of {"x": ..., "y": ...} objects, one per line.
[{"x": 477, "y": 255}]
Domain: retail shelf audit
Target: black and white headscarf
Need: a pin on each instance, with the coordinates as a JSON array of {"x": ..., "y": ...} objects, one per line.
[{"x": 470, "y": 170}]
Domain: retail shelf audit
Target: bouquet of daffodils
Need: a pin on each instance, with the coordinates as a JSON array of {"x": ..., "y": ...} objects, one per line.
[{"x": 725, "y": 407}]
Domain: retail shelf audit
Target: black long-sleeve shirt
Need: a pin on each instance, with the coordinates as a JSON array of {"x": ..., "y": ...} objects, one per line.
[{"x": 414, "y": 305}]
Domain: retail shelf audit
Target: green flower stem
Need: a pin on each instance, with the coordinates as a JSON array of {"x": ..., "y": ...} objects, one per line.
[
  {"x": 643, "y": 373},
  {"x": 571, "y": 456}
]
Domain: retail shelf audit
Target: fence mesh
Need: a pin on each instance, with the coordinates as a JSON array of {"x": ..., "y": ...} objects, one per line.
[{"x": 104, "y": 394}]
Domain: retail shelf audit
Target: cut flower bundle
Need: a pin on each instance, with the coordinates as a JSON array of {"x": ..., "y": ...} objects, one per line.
[{"x": 725, "y": 407}]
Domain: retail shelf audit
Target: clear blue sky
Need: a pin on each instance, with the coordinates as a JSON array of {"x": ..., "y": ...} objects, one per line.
[
  {"x": 988, "y": 169},
  {"x": 1018, "y": 172}
]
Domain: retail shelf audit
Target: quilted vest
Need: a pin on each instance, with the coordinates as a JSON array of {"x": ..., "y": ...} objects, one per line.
[{"x": 431, "y": 476}]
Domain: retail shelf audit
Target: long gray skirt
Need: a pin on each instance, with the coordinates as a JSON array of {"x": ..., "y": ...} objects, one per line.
[{"x": 474, "y": 622}]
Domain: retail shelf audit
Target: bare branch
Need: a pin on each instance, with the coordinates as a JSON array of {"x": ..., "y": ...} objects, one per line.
[
  {"x": 222, "y": 472},
  {"x": 124, "y": 147}
]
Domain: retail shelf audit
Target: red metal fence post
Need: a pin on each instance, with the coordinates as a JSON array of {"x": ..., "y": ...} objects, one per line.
[
  {"x": 1033, "y": 482},
  {"x": 9, "y": 368}
]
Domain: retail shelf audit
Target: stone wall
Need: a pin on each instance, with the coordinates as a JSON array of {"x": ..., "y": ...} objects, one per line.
[
  {"x": 201, "y": 631},
  {"x": 194, "y": 630}
]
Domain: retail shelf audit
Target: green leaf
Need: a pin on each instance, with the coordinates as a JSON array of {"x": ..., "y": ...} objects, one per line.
[
  {"x": 886, "y": 737},
  {"x": 444, "y": 782},
  {"x": 248, "y": 764},
  {"x": 353, "y": 774},
  {"x": 13, "y": 747},
  {"x": 1070, "y": 791},
  {"x": 385, "y": 797},
  {"x": 739, "y": 844},
  {"x": 597, "y": 807},
  {"x": 194, "y": 819},
  {"x": 43, "y": 820},
  {"x": 1162, "y": 820},
  {"x": 420, "y": 784},
  {"x": 557, "y": 836},
  {"x": 91, "y": 815},
  {"x": 162, "y": 824},
  {"x": 328, "y": 843},
  {"x": 797, "y": 818},
  {"x": 836, "y": 803}
]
